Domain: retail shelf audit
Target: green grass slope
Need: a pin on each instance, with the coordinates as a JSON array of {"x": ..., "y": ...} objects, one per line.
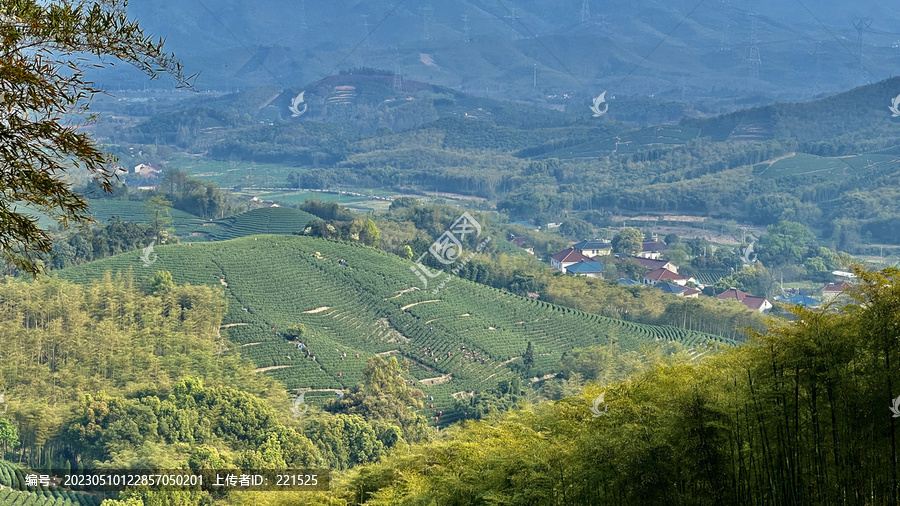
[
  {"x": 267, "y": 220},
  {"x": 375, "y": 304}
]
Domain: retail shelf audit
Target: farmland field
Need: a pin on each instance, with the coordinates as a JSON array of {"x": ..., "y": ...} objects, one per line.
[
  {"x": 829, "y": 168},
  {"x": 131, "y": 210},
  {"x": 230, "y": 174},
  {"x": 630, "y": 142},
  {"x": 374, "y": 304}
]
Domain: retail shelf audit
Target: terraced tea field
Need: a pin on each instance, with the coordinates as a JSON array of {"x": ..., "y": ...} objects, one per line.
[
  {"x": 630, "y": 142},
  {"x": 267, "y": 220},
  {"x": 375, "y": 305},
  {"x": 812, "y": 167},
  {"x": 12, "y": 491}
]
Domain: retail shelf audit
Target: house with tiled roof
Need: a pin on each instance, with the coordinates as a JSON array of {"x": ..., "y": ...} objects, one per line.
[
  {"x": 800, "y": 300},
  {"x": 669, "y": 288},
  {"x": 653, "y": 264},
  {"x": 566, "y": 258},
  {"x": 834, "y": 290},
  {"x": 653, "y": 249},
  {"x": 522, "y": 242},
  {"x": 681, "y": 291},
  {"x": 590, "y": 269},
  {"x": 691, "y": 293},
  {"x": 593, "y": 248},
  {"x": 751, "y": 301},
  {"x": 665, "y": 275}
]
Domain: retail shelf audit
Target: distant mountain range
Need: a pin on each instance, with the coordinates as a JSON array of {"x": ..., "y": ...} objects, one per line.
[{"x": 532, "y": 50}]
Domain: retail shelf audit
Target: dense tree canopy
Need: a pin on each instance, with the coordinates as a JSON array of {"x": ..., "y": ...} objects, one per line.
[{"x": 43, "y": 86}]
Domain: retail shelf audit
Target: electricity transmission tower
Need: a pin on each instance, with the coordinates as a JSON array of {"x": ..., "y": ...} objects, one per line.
[
  {"x": 426, "y": 15},
  {"x": 585, "y": 11},
  {"x": 818, "y": 88},
  {"x": 753, "y": 59},
  {"x": 466, "y": 28},
  {"x": 398, "y": 78},
  {"x": 366, "y": 29},
  {"x": 723, "y": 38},
  {"x": 861, "y": 25},
  {"x": 303, "y": 15}
]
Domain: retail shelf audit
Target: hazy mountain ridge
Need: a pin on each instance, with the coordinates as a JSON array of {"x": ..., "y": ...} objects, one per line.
[{"x": 702, "y": 54}]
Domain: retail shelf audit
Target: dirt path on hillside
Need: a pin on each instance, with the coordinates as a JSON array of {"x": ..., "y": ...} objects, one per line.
[
  {"x": 417, "y": 303},
  {"x": 271, "y": 368}
]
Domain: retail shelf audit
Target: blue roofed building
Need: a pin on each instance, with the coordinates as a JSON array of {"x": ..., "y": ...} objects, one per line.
[
  {"x": 800, "y": 300},
  {"x": 590, "y": 269}
]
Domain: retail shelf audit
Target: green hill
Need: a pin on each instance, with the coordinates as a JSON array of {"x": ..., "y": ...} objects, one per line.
[
  {"x": 267, "y": 220},
  {"x": 373, "y": 304}
]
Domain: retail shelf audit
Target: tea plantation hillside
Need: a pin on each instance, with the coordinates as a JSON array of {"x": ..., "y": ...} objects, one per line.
[
  {"x": 267, "y": 220},
  {"x": 374, "y": 304}
]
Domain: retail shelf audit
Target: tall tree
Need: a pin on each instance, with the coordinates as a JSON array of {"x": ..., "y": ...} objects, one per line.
[
  {"x": 629, "y": 241},
  {"x": 42, "y": 88}
]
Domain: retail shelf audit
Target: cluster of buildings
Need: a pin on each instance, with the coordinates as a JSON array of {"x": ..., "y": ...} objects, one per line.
[{"x": 582, "y": 259}]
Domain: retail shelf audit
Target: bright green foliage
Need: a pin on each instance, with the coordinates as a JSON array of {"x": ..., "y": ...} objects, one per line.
[
  {"x": 41, "y": 83},
  {"x": 385, "y": 395},
  {"x": 345, "y": 440},
  {"x": 785, "y": 243},
  {"x": 629, "y": 241},
  {"x": 9, "y": 435},
  {"x": 60, "y": 342},
  {"x": 161, "y": 283},
  {"x": 804, "y": 416}
]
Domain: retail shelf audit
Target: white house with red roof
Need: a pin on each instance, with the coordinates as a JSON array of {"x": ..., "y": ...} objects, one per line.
[
  {"x": 751, "y": 301},
  {"x": 566, "y": 258}
]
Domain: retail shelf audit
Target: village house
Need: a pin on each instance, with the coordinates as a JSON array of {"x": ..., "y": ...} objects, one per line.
[
  {"x": 589, "y": 269},
  {"x": 753, "y": 302},
  {"x": 566, "y": 258},
  {"x": 593, "y": 248},
  {"x": 665, "y": 275},
  {"x": 681, "y": 291},
  {"x": 653, "y": 264},
  {"x": 653, "y": 249},
  {"x": 146, "y": 170},
  {"x": 521, "y": 242},
  {"x": 834, "y": 290}
]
